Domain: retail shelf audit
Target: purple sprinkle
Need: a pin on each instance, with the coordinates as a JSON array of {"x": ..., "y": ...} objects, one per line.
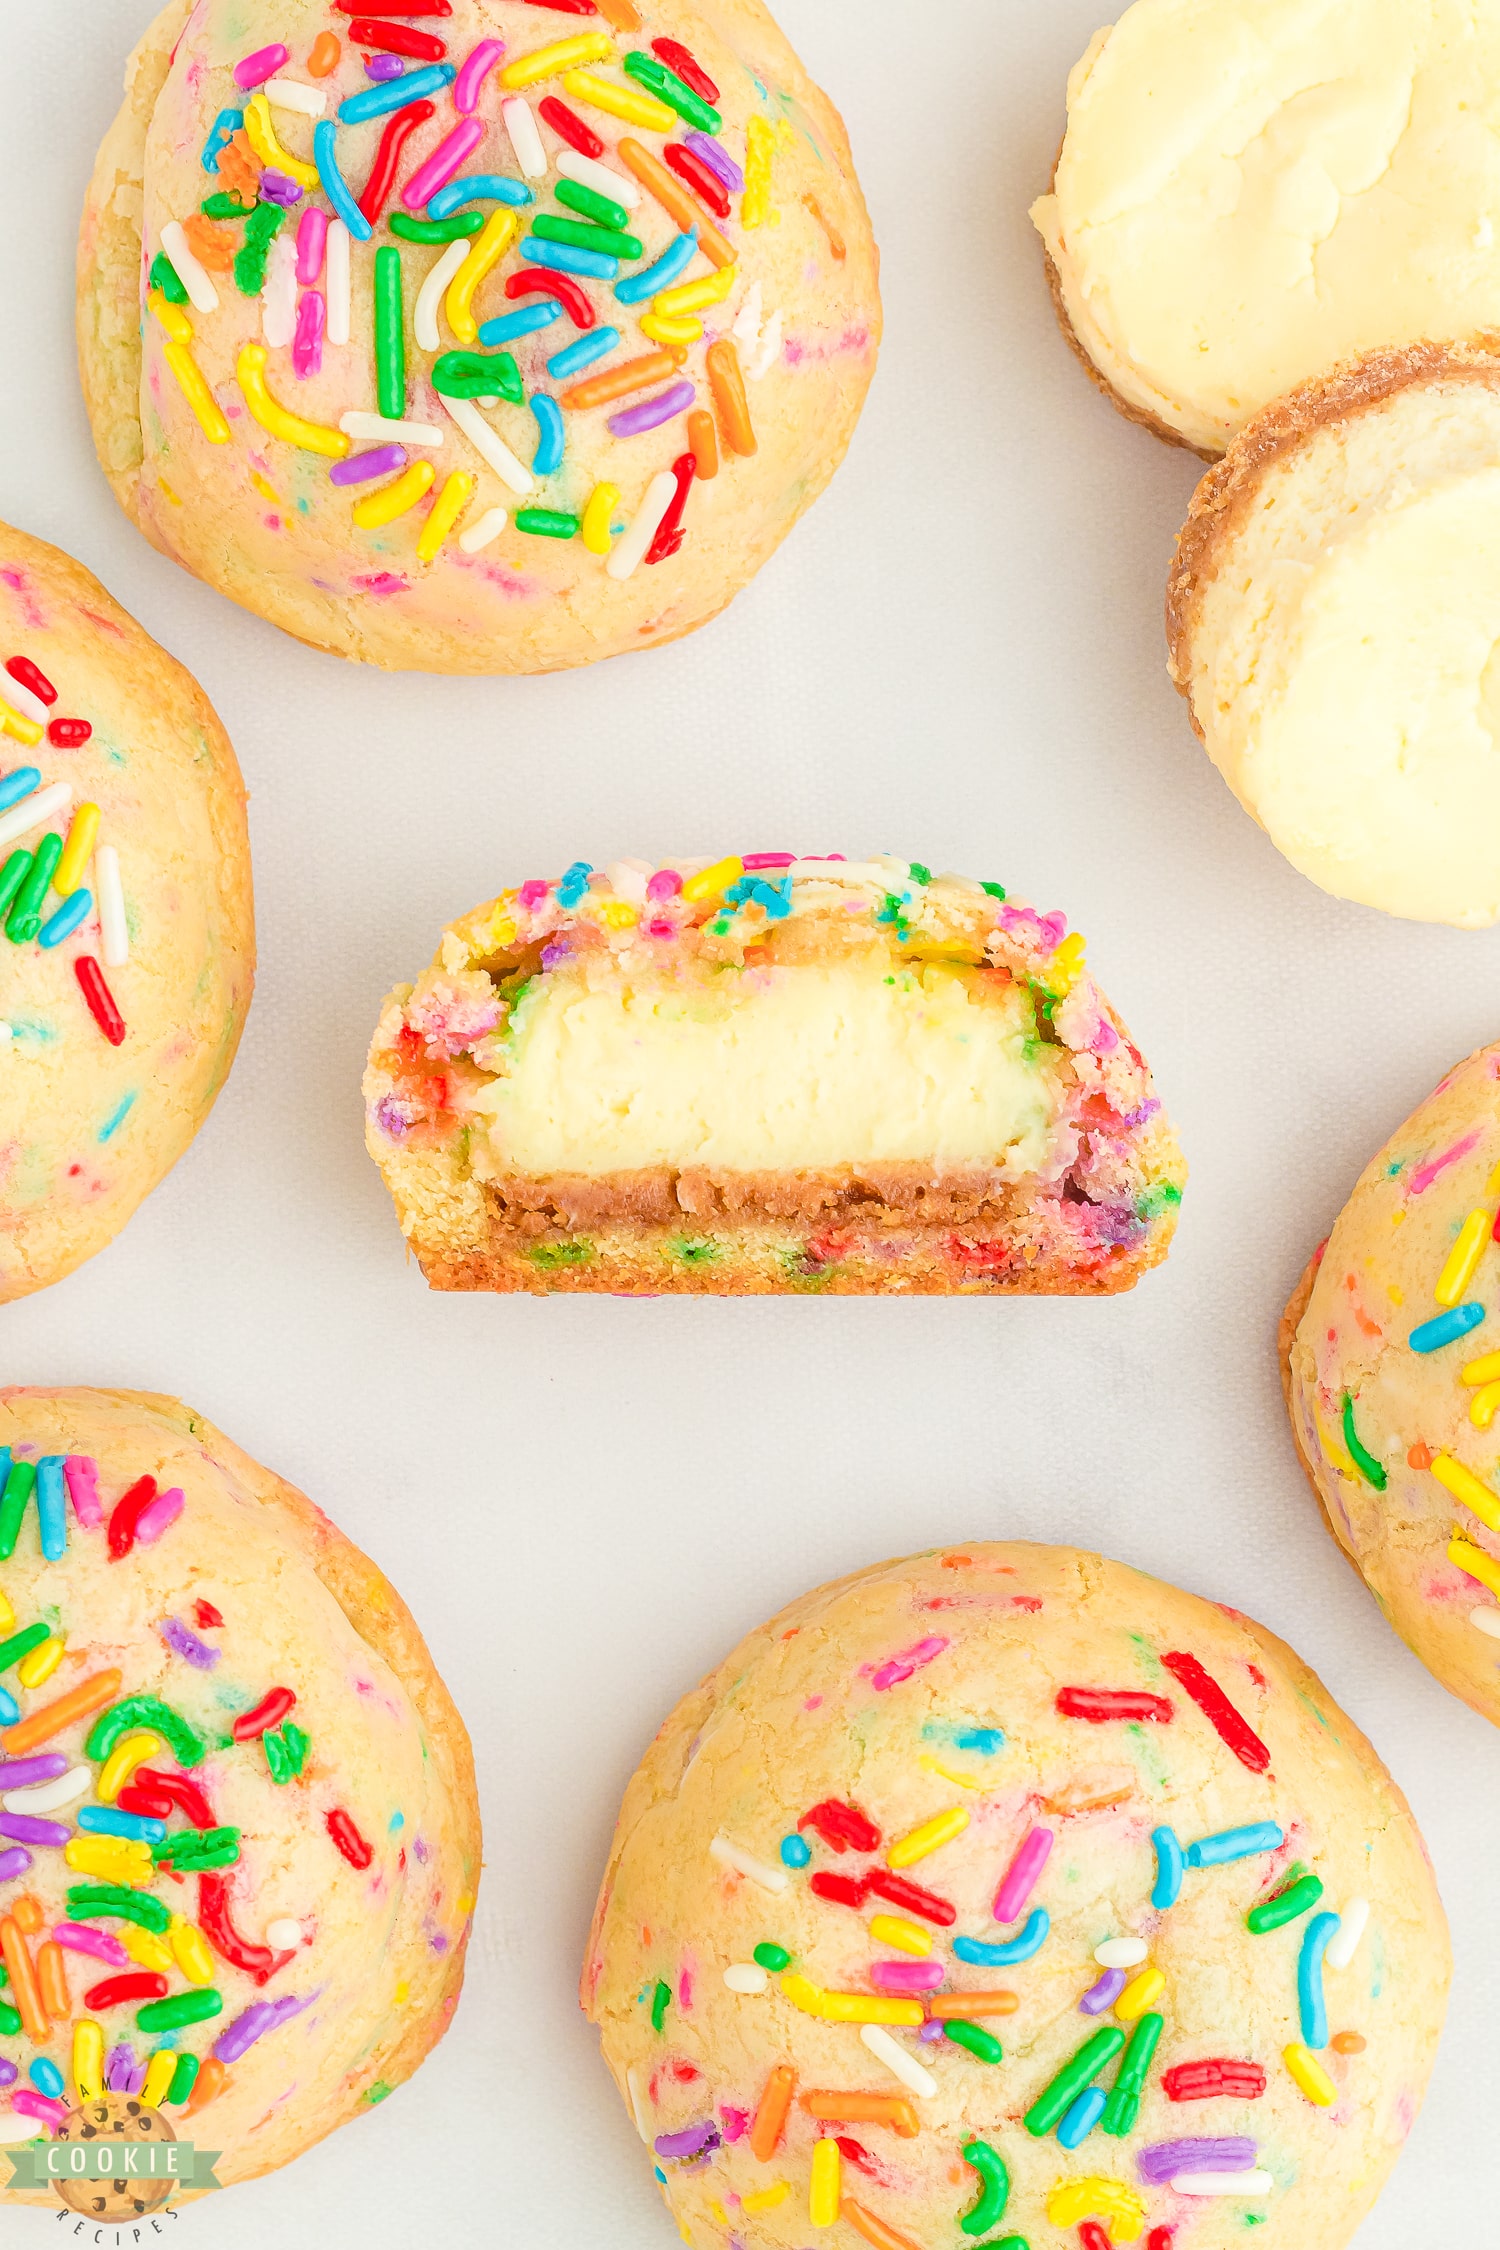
[
  {"x": 243, "y": 2032},
  {"x": 79, "y": 1939},
  {"x": 1105, "y": 1993},
  {"x": 932, "y": 2029},
  {"x": 22, "y": 1829},
  {"x": 159, "y": 1517},
  {"x": 1165, "y": 2159},
  {"x": 381, "y": 67},
  {"x": 118, "y": 2068},
  {"x": 187, "y": 1645},
  {"x": 552, "y": 954},
  {"x": 419, "y": 1847},
  {"x": 1139, "y": 1116},
  {"x": 718, "y": 160},
  {"x": 358, "y": 468},
  {"x": 20, "y": 1773},
  {"x": 278, "y": 187},
  {"x": 691, "y": 2141},
  {"x": 8, "y": 2072},
  {"x": 13, "y": 1864},
  {"x": 906, "y": 1976},
  {"x": 283, "y": 2010},
  {"x": 652, "y": 412}
]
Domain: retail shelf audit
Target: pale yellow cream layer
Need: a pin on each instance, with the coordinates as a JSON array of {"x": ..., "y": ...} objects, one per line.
[
  {"x": 1253, "y": 190},
  {"x": 1346, "y": 666},
  {"x": 776, "y": 1069}
]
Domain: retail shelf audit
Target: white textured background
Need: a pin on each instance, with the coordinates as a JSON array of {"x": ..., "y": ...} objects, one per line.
[{"x": 958, "y": 656}]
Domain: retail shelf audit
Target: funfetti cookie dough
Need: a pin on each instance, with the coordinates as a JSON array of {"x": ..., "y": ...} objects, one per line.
[
  {"x": 498, "y": 340},
  {"x": 1005, "y": 1894},
  {"x": 239, "y": 1841},
  {"x": 128, "y": 946}
]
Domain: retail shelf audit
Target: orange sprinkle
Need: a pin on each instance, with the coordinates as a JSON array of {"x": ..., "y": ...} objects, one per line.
[
  {"x": 27, "y": 1915},
  {"x": 1419, "y": 1456},
  {"x": 875, "y": 2230},
  {"x": 621, "y": 14},
  {"x": 635, "y": 375},
  {"x": 771, "y": 2113},
  {"x": 210, "y": 245},
  {"x": 239, "y": 173},
  {"x": 727, "y": 382},
  {"x": 210, "y": 2081},
  {"x": 52, "y": 1980},
  {"x": 324, "y": 57},
  {"x": 23, "y": 1984},
  {"x": 836, "y": 241},
  {"x": 79, "y": 1703},
  {"x": 865, "y": 2109},
  {"x": 675, "y": 200},
  {"x": 1347, "y": 2043},
  {"x": 704, "y": 440},
  {"x": 963, "y": 2004}
]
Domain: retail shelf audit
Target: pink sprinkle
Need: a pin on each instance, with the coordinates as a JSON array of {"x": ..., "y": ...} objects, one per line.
[
  {"x": 906, "y": 1976},
  {"x": 665, "y": 883},
  {"x": 312, "y": 241},
  {"x": 443, "y": 162},
  {"x": 473, "y": 71},
  {"x": 660, "y": 927},
  {"x": 159, "y": 1517},
  {"x": 531, "y": 894},
  {"x": 78, "y": 1939},
  {"x": 1021, "y": 1875},
  {"x": 307, "y": 344},
  {"x": 685, "y": 1989},
  {"x": 1106, "y": 1038},
  {"x": 38, "y": 2106},
  {"x": 754, "y": 860},
  {"x": 82, "y": 1477},
  {"x": 257, "y": 68},
  {"x": 1425, "y": 1174},
  {"x": 736, "y": 2123},
  {"x": 899, "y": 1668}
]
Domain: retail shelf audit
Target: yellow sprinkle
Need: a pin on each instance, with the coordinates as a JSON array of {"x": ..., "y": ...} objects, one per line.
[
  {"x": 190, "y": 1951},
  {"x": 718, "y": 2210},
  {"x": 117, "y": 1859},
  {"x": 1483, "y": 1404},
  {"x": 941, "y": 1829},
  {"x": 487, "y": 249},
  {"x": 1398, "y": 1217},
  {"x": 1310, "y": 2074},
  {"x": 603, "y": 501},
  {"x": 77, "y": 851},
  {"x": 130, "y": 1751},
  {"x": 146, "y": 1949},
  {"x": 160, "y": 2072},
  {"x": 669, "y": 331},
  {"x": 1486, "y": 1370},
  {"x": 39, "y": 1663},
  {"x": 963, "y": 1780},
  {"x": 266, "y": 491},
  {"x": 261, "y": 134},
  {"x": 7, "y": 1615},
  {"x": 1066, "y": 965},
  {"x": 1073, "y": 2200},
  {"x": 166, "y": 492},
  {"x": 563, "y": 54},
  {"x": 849, "y": 2007},
  {"x": 446, "y": 510},
  {"x": 629, "y": 102},
  {"x": 313, "y": 437},
  {"x": 463, "y": 1905},
  {"x": 1492, "y": 1184},
  {"x": 402, "y": 1993},
  {"x": 1475, "y": 1561},
  {"x": 18, "y": 726},
  {"x": 1139, "y": 1995},
  {"x": 1471, "y": 1490},
  {"x": 907, "y": 1937},
  {"x": 1333, "y": 1451},
  {"x": 766, "y": 2199},
  {"x": 824, "y": 2183},
  {"x": 618, "y": 914},
  {"x": 88, "y": 2060},
  {"x": 1462, "y": 1259},
  {"x": 692, "y": 296},
  {"x": 171, "y": 318},
  {"x": 755, "y": 204},
  {"x": 393, "y": 500},
  {"x": 712, "y": 882},
  {"x": 1397, "y": 1296}
]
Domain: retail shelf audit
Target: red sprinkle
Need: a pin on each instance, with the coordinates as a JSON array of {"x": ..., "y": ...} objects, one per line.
[
  {"x": 706, "y": 185},
  {"x": 21, "y": 668},
  {"x": 841, "y": 1826},
  {"x": 179, "y": 1791},
  {"x": 269, "y": 1712},
  {"x": 687, "y": 66},
  {"x": 379, "y": 8},
  {"x": 1233, "y": 1731},
  {"x": 896, "y": 1891},
  {"x": 568, "y": 7},
  {"x": 206, "y": 1614},
  {"x": 1092, "y": 2236},
  {"x": 348, "y": 1838},
  {"x": 216, "y": 1923},
  {"x": 397, "y": 39},
  {"x": 398, "y": 131},
  {"x": 1214, "y": 2075},
  {"x": 139, "y": 1984},
  {"x": 126, "y": 1514},
  {"x": 535, "y": 281},
  {"x": 145, "y": 1802},
  {"x": 839, "y": 1890},
  {"x": 1161, "y": 2238},
  {"x": 67, "y": 734},
  {"x": 1098, "y": 1705},
  {"x": 669, "y": 531},
  {"x": 99, "y": 997},
  {"x": 571, "y": 128}
]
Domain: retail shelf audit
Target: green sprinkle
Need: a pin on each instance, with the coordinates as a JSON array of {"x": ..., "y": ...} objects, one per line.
[
  {"x": 983, "y": 2045},
  {"x": 191, "y": 1851},
  {"x": 1057, "y": 2099},
  {"x": 93, "y": 1902},
  {"x": 10, "y": 2021},
  {"x": 546, "y": 523},
  {"x": 225, "y": 207},
  {"x": 250, "y": 263},
  {"x": 548, "y": 1255},
  {"x": 669, "y": 88},
  {"x": 1123, "y": 2107},
  {"x": 995, "y": 890},
  {"x": 297, "y": 1745},
  {"x": 609, "y": 241},
  {"x": 390, "y": 336},
  {"x": 19, "y": 1480},
  {"x": 31, "y": 1636},
  {"x": 25, "y": 920},
  {"x": 150, "y": 1712},
  {"x": 591, "y": 204},
  {"x": 1284, "y": 1907},
  {"x": 769, "y": 1956},
  {"x": 994, "y": 2188},
  {"x": 1365, "y": 1461},
  {"x": 377, "y": 2092},
  {"x": 276, "y": 1758},
  {"x": 12, "y": 874},
  {"x": 184, "y": 2078},
  {"x": 661, "y": 2000},
  {"x": 919, "y": 873},
  {"x": 164, "y": 276},
  {"x": 454, "y": 229},
  {"x": 182, "y": 2008},
  {"x": 478, "y": 375}
]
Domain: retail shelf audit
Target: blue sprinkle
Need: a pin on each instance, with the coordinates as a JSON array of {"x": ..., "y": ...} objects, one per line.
[
  {"x": 561, "y": 257},
  {"x": 1235, "y": 1843},
  {"x": 1082, "y": 2117},
  {"x": 509, "y": 326},
  {"x": 1169, "y": 1866},
  {"x": 796, "y": 1851},
  {"x": 106, "y": 1820},
  {"x": 19, "y": 784},
  {"x": 111, "y": 1125},
  {"x": 1446, "y": 1329},
  {"x": 548, "y": 457},
  {"x": 588, "y": 348},
  {"x": 325, "y": 156},
  {"x": 1031, "y": 1940},
  {"x": 51, "y": 1506},
  {"x": 479, "y": 187},
  {"x": 10, "y": 1709},
  {"x": 668, "y": 266},
  {"x": 67, "y": 918},
  {"x": 574, "y": 884},
  {"x": 379, "y": 101},
  {"x": 225, "y": 126},
  {"x": 986, "y": 1740},
  {"x": 1310, "y": 2002},
  {"x": 47, "y": 2078}
]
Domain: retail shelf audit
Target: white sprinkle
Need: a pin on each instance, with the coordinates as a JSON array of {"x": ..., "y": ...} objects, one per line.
[
  {"x": 858, "y": 871},
  {"x": 490, "y": 447},
  {"x": 282, "y": 1936},
  {"x": 770, "y": 350},
  {"x": 897, "y": 2061},
  {"x": 278, "y": 298},
  {"x": 424, "y": 316},
  {"x": 774, "y": 1879},
  {"x": 599, "y": 177},
  {"x": 194, "y": 277},
  {"x": 484, "y": 531},
  {"x": 114, "y": 930},
  {"x": 6, "y": 1036},
  {"x": 36, "y": 810},
  {"x": 50, "y": 1796},
  {"x": 638, "y": 2104},
  {"x": 290, "y": 93},
  {"x": 745, "y": 1976},
  {"x": 1121, "y": 1953},
  {"x": 524, "y": 137},
  {"x": 1344, "y": 1943},
  {"x": 628, "y": 880},
  {"x": 746, "y": 329},
  {"x": 1223, "y": 2183},
  {"x": 20, "y": 698},
  {"x": 629, "y": 550},
  {"x": 1486, "y": 1621},
  {"x": 368, "y": 426},
  {"x": 336, "y": 282}
]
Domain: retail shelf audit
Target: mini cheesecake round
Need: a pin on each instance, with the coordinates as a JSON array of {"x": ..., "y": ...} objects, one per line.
[{"x": 767, "y": 1075}]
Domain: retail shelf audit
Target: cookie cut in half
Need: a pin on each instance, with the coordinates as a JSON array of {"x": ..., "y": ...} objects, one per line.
[
  {"x": 763, "y": 1075},
  {"x": 1333, "y": 617},
  {"x": 1253, "y": 191}
]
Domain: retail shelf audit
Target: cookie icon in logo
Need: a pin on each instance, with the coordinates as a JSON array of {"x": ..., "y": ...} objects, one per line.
[{"x": 115, "y": 2117}]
